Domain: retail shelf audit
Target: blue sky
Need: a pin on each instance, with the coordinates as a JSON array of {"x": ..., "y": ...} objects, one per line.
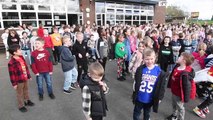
[{"x": 204, "y": 7}]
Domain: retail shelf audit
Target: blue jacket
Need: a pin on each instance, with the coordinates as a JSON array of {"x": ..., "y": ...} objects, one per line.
[
  {"x": 128, "y": 48},
  {"x": 67, "y": 59}
]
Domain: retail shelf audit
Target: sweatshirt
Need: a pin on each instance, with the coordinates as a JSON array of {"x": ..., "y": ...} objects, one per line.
[
  {"x": 120, "y": 51},
  {"x": 67, "y": 59},
  {"x": 48, "y": 42},
  {"x": 41, "y": 61}
]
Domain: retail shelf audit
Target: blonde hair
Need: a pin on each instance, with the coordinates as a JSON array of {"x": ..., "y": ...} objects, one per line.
[
  {"x": 146, "y": 40},
  {"x": 40, "y": 40},
  {"x": 148, "y": 52},
  {"x": 202, "y": 46},
  {"x": 64, "y": 38},
  {"x": 96, "y": 69},
  {"x": 188, "y": 58}
]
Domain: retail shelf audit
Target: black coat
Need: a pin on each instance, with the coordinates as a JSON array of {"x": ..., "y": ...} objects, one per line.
[{"x": 158, "y": 91}]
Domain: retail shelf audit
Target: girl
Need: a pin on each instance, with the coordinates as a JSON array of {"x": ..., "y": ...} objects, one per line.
[
  {"x": 25, "y": 47},
  {"x": 137, "y": 59},
  {"x": 13, "y": 38},
  {"x": 120, "y": 54},
  {"x": 165, "y": 56},
  {"x": 4, "y": 37}
]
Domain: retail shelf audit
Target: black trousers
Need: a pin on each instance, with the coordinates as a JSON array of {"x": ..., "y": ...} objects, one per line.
[
  {"x": 97, "y": 118},
  {"x": 103, "y": 63},
  {"x": 56, "y": 53},
  {"x": 82, "y": 67}
]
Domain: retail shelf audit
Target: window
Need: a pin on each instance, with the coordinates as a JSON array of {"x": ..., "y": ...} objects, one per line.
[
  {"x": 143, "y": 17},
  {"x": 8, "y": 24},
  {"x": 119, "y": 17},
  {"x": 27, "y": 7},
  {"x": 112, "y": 5},
  {"x": 128, "y": 17},
  {"x": 119, "y": 5},
  {"x": 110, "y": 10},
  {"x": 43, "y": 7},
  {"x": 59, "y": 8},
  {"x": 59, "y": 16},
  {"x": 58, "y": 23},
  {"x": 44, "y": 16},
  {"x": 120, "y": 11},
  {"x": 135, "y": 22},
  {"x": 46, "y": 23},
  {"x": 128, "y": 22},
  {"x": 33, "y": 23},
  {"x": 8, "y": 7},
  {"x": 136, "y": 17},
  {"x": 136, "y": 7},
  {"x": 129, "y": 11},
  {"x": 10, "y": 15},
  {"x": 99, "y": 7},
  {"x": 128, "y": 6},
  {"x": 142, "y": 22},
  {"x": 98, "y": 16},
  {"x": 26, "y": 15},
  {"x": 15, "y": 1},
  {"x": 150, "y": 17}
]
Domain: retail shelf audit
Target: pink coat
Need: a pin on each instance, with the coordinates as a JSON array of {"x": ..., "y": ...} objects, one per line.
[
  {"x": 135, "y": 61},
  {"x": 133, "y": 43}
]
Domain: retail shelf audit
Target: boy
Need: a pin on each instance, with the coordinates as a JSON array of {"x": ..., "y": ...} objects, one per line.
[
  {"x": 42, "y": 67},
  {"x": 68, "y": 66},
  {"x": 182, "y": 88},
  {"x": 80, "y": 50},
  {"x": 93, "y": 93},
  {"x": 48, "y": 45},
  {"x": 32, "y": 39},
  {"x": 57, "y": 42},
  {"x": 19, "y": 75},
  {"x": 149, "y": 87}
]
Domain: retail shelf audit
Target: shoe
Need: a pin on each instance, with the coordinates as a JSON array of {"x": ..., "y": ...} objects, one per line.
[
  {"x": 72, "y": 86},
  {"x": 123, "y": 77},
  {"x": 23, "y": 109},
  {"x": 29, "y": 103},
  {"x": 199, "y": 112},
  {"x": 206, "y": 110},
  {"x": 52, "y": 96},
  {"x": 67, "y": 91},
  {"x": 171, "y": 117},
  {"x": 120, "y": 79},
  {"x": 41, "y": 97}
]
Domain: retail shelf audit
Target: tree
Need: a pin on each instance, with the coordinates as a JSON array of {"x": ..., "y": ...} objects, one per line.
[
  {"x": 212, "y": 17},
  {"x": 175, "y": 12}
]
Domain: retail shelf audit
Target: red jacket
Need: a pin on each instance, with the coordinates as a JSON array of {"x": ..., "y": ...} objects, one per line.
[
  {"x": 15, "y": 71},
  {"x": 48, "y": 42},
  {"x": 40, "y": 32},
  {"x": 186, "y": 88},
  {"x": 41, "y": 61}
]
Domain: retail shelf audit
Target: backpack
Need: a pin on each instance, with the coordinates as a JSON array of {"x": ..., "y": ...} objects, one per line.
[{"x": 192, "y": 83}]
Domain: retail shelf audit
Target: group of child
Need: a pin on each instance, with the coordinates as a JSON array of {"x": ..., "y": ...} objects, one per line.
[{"x": 150, "y": 80}]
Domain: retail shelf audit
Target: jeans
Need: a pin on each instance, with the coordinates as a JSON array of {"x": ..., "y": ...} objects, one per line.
[
  {"x": 146, "y": 110},
  {"x": 70, "y": 77},
  {"x": 27, "y": 56},
  {"x": 48, "y": 79}
]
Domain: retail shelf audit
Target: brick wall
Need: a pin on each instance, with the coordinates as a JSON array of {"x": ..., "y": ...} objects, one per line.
[
  {"x": 160, "y": 13},
  {"x": 88, "y": 4}
]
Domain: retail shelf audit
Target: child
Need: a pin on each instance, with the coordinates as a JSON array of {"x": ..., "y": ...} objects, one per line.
[
  {"x": 127, "y": 44},
  {"x": 165, "y": 56},
  {"x": 32, "y": 39},
  {"x": 56, "y": 40},
  {"x": 80, "y": 50},
  {"x": 19, "y": 75},
  {"x": 4, "y": 37},
  {"x": 93, "y": 93},
  {"x": 48, "y": 45},
  {"x": 207, "y": 89},
  {"x": 137, "y": 59},
  {"x": 68, "y": 66},
  {"x": 120, "y": 54},
  {"x": 42, "y": 67},
  {"x": 25, "y": 47},
  {"x": 149, "y": 87},
  {"x": 182, "y": 85},
  {"x": 91, "y": 45}
]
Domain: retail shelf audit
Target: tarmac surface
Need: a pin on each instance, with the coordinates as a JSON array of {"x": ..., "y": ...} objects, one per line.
[{"x": 68, "y": 107}]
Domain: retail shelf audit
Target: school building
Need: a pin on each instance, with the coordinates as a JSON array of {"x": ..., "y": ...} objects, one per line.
[{"x": 101, "y": 12}]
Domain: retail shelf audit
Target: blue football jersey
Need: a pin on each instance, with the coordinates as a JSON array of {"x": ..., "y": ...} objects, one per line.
[{"x": 148, "y": 81}]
